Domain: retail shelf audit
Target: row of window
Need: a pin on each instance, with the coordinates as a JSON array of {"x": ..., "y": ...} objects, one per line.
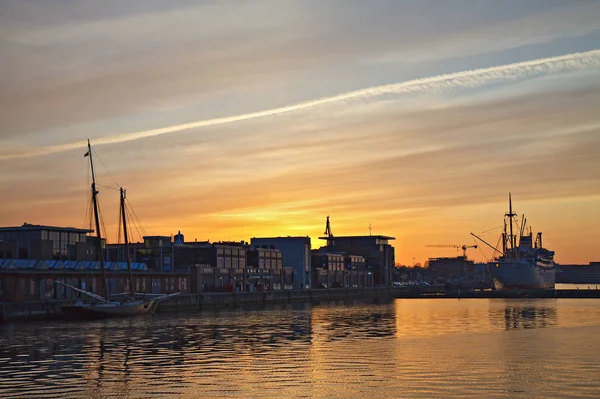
[
  {"x": 231, "y": 263},
  {"x": 231, "y": 251}
]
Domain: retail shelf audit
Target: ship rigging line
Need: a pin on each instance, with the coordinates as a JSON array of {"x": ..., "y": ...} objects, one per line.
[
  {"x": 479, "y": 247},
  {"x": 493, "y": 223},
  {"x": 87, "y": 219},
  {"x": 107, "y": 187},
  {"x": 101, "y": 215},
  {"x": 128, "y": 209},
  {"x": 105, "y": 168},
  {"x": 134, "y": 223},
  {"x": 136, "y": 219}
]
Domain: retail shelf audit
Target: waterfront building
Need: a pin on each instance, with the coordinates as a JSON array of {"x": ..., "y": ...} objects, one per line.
[
  {"x": 450, "y": 268},
  {"x": 39, "y": 242},
  {"x": 333, "y": 261},
  {"x": 9, "y": 250},
  {"x": 217, "y": 266},
  {"x": 329, "y": 270},
  {"x": 161, "y": 253},
  {"x": 578, "y": 274},
  {"x": 376, "y": 251},
  {"x": 264, "y": 258},
  {"x": 27, "y": 280},
  {"x": 296, "y": 254},
  {"x": 338, "y": 269}
]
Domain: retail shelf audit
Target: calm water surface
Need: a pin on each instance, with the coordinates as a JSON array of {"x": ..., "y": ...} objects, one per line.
[
  {"x": 413, "y": 348},
  {"x": 560, "y": 286}
]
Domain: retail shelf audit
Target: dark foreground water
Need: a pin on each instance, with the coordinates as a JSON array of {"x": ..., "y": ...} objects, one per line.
[{"x": 439, "y": 348}]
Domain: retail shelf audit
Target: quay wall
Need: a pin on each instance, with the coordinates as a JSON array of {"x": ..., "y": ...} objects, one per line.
[{"x": 50, "y": 308}]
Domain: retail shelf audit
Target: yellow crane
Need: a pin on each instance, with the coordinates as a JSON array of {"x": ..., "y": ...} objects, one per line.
[{"x": 463, "y": 247}]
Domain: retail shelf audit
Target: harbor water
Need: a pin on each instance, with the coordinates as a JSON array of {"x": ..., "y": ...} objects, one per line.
[{"x": 407, "y": 348}]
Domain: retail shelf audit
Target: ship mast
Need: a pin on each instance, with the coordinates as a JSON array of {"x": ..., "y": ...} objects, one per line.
[
  {"x": 98, "y": 233},
  {"x": 510, "y": 215},
  {"x": 127, "y": 259}
]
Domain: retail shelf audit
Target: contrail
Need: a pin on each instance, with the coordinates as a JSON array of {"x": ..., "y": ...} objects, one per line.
[{"x": 470, "y": 78}]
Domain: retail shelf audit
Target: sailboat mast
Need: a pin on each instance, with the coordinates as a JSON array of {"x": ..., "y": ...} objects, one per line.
[
  {"x": 127, "y": 259},
  {"x": 98, "y": 233}
]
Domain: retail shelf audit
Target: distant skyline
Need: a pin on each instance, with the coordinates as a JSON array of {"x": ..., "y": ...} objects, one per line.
[{"x": 228, "y": 120}]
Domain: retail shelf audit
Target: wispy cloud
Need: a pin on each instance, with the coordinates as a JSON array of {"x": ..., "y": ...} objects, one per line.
[{"x": 469, "y": 78}]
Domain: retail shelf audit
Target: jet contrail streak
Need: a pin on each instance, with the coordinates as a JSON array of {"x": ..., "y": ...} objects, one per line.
[{"x": 470, "y": 78}]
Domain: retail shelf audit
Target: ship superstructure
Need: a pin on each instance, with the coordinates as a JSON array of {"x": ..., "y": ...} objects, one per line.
[{"x": 524, "y": 263}]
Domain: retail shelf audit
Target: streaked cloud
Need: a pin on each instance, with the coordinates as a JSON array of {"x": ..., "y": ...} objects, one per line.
[{"x": 473, "y": 78}]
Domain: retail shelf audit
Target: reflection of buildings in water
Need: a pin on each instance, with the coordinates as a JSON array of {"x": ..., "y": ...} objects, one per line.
[
  {"x": 359, "y": 321},
  {"x": 254, "y": 330},
  {"x": 244, "y": 352},
  {"x": 531, "y": 313},
  {"x": 173, "y": 355},
  {"x": 348, "y": 351},
  {"x": 525, "y": 351},
  {"x": 101, "y": 358},
  {"x": 166, "y": 354},
  {"x": 529, "y": 317}
]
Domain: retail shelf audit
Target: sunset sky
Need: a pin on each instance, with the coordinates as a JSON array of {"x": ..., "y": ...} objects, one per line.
[{"x": 233, "y": 119}]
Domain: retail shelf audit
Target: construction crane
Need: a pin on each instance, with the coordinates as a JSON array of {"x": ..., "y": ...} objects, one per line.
[{"x": 463, "y": 247}]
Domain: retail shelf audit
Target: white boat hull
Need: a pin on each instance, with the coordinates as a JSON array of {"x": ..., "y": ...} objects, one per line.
[{"x": 104, "y": 310}]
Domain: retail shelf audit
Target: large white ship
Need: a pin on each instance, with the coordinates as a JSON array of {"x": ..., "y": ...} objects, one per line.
[{"x": 523, "y": 262}]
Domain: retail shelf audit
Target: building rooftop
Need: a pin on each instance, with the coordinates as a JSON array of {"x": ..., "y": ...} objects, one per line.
[
  {"x": 32, "y": 227},
  {"x": 68, "y": 264},
  {"x": 281, "y": 238},
  {"x": 380, "y": 237}
]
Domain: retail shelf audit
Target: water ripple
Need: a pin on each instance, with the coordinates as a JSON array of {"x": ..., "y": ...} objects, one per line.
[{"x": 409, "y": 348}]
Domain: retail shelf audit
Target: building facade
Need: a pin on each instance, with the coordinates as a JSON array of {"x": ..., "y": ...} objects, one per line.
[
  {"x": 296, "y": 254},
  {"x": 34, "y": 280},
  {"x": 578, "y": 274},
  {"x": 264, "y": 258},
  {"x": 339, "y": 270},
  {"x": 38, "y": 242},
  {"x": 376, "y": 251},
  {"x": 451, "y": 268},
  {"x": 218, "y": 266}
]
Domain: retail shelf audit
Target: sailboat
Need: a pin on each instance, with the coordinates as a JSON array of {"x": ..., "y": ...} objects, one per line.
[
  {"x": 101, "y": 306},
  {"x": 522, "y": 264}
]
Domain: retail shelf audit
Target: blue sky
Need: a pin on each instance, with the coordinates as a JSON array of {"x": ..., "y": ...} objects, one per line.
[{"x": 416, "y": 159}]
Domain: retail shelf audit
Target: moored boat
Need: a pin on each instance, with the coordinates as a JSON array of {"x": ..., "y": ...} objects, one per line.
[
  {"x": 105, "y": 309},
  {"x": 523, "y": 263},
  {"x": 99, "y": 306}
]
